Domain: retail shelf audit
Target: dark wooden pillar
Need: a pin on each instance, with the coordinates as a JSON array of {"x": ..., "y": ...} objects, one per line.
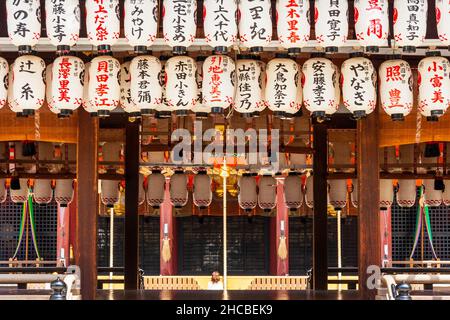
[
  {"x": 368, "y": 200},
  {"x": 131, "y": 205},
  {"x": 87, "y": 203},
  {"x": 320, "y": 224}
]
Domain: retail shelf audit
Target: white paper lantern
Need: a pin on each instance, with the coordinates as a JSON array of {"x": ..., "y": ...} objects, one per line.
[
  {"x": 141, "y": 193},
  {"x": 434, "y": 86},
  {"x": 333, "y": 108},
  {"x": 13, "y": 106},
  {"x": 140, "y": 23},
  {"x": 248, "y": 196},
  {"x": 433, "y": 198},
  {"x": 386, "y": 194},
  {"x": 42, "y": 191},
  {"x": 446, "y": 193},
  {"x": 20, "y": 195},
  {"x": 155, "y": 190},
  {"x": 163, "y": 110},
  {"x": 262, "y": 104},
  {"x": 29, "y": 83},
  {"x": 309, "y": 192},
  {"x": 372, "y": 23},
  {"x": 410, "y": 23},
  {"x": 337, "y": 193},
  {"x": 293, "y": 24},
  {"x": 109, "y": 192},
  {"x": 248, "y": 85},
  {"x": 179, "y": 23},
  {"x": 359, "y": 79},
  {"x": 443, "y": 21},
  {"x": 67, "y": 84},
  {"x": 331, "y": 18},
  {"x": 4, "y": 71},
  {"x": 63, "y": 192},
  {"x": 319, "y": 92},
  {"x": 24, "y": 23},
  {"x": 267, "y": 193},
  {"x": 255, "y": 23},
  {"x": 202, "y": 195},
  {"x": 49, "y": 89},
  {"x": 87, "y": 102},
  {"x": 299, "y": 111},
  {"x": 396, "y": 88},
  {"x": 104, "y": 87},
  {"x": 125, "y": 91},
  {"x": 103, "y": 23},
  {"x": 354, "y": 194},
  {"x": 200, "y": 109},
  {"x": 3, "y": 191},
  {"x": 219, "y": 72},
  {"x": 219, "y": 23},
  {"x": 178, "y": 189},
  {"x": 181, "y": 84},
  {"x": 63, "y": 23},
  {"x": 406, "y": 195},
  {"x": 146, "y": 90},
  {"x": 293, "y": 193}
]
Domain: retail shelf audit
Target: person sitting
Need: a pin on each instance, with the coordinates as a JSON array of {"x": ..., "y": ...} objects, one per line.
[{"x": 215, "y": 283}]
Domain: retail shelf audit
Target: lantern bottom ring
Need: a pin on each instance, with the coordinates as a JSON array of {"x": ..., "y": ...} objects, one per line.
[
  {"x": 146, "y": 112},
  {"x": 28, "y": 112},
  {"x": 217, "y": 110},
  {"x": 294, "y": 51},
  {"x": 182, "y": 113},
  {"x": 163, "y": 114},
  {"x": 409, "y": 49},
  {"x": 397, "y": 117},
  {"x": 373, "y": 49},
  {"x": 332, "y": 49},
  {"x": 103, "y": 113},
  {"x": 201, "y": 115},
  {"x": 220, "y": 50}
]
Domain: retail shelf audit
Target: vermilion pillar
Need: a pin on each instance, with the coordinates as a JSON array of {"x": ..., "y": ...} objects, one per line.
[{"x": 168, "y": 229}]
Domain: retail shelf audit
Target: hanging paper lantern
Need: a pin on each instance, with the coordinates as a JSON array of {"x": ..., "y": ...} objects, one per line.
[
  {"x": 262, "y": 104},
  {"x": 386, "y": 194},
  {"x": 333, "y": 108},
  {"x": 145, "y": 87},
  {"x": 443, "y": 20},
  {"x": 103, "y": 23},
  {"x": 293, "y": 193},
  {"x": 434, "y": 85},
  {"x": 219, "y": 23},
  {"x": 331, "y": 18},
  {"x": 446, "y": 193},
  {"x": 299, "y": 111},
  {"x": 42, "y": 191},
  {"x": 293, "y": 24},
  {"x": 410, "y": 24},
  {"x": 309, "y": 195},
  {"x": 163, "y": 110},
  {"x": 140, "y": 23},
  {"x": 372, "y": 23},
  {"x": 13, "y": 106},
  {"x": 24, "y": 23},
  {"x": 4, "y": 71},
  {"x": 337, "y": 190},
  {"x": 141, "y": 195},
  {"x": 109, "y": 192},
  {"x": 255, "y": 24},
  {"x": 3, "y": 191},
  {"x": 178, "y": 189},
  {"x": 218, "y": 87},
  {"x": 396, "y": 88},
  {"x": 63, "y": 192},
  {"x": 319, "y": 92},
  {"x": 406, "y": 195},
  {"x": 20, "y": 195},
  {"x": 181, "y": 85},
  {"x": 67, "y": 84},
  {"x": 267, "y": 193},
  {"x": 248, "y": 87},
  {"x": 200, "y": 109},
  {"x": 125, "y": 91},
  {"x": 49, "y": 90},
  {"x": 202, "y": 195},
  {"x": 104, "y": 87},
  {"x": 354, "y": 194},
  {"x": 179, "y": 24},
  {"x": 248, "y": 196},
  {"x": 433, "y": 198},
  {"x": 87, "y": 102},
  {"x": 29, "y": 83},
  {"x": 358, "y": 79},
  {"x": 155, "y": 191},
  {"x": 63, "y": 23}
]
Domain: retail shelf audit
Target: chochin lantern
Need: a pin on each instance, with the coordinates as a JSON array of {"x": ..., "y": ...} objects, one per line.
[
  {"x": 3, "y": 191},
  {"x": 202, "y": 195},
  {"x": 155, "y": 191},
  {"x": 354, "y": 194},
  {"x": 337, "y": 193},
  {"x": 20, "y": 194},
  {"x": 282, "y": 76},
  {"x": 255, "y": 23},
  {"x": 163, "y": 110},
  {"x": 63, "y": 23},
  {"x": 319, "y": 92},
  {"x": 407, "y": 191},
  {"x": 386, "y": 194},
  {"x": 49, "y": 90},
  {"x": 109, "y": 192},
  {"x": 293, "y": 193},
  {"x": 125, "y": 91},
  {"x": 64, "y": 192},
  {"x": 4, "y": 71},
  {"x": 267, "y": 195},
  {"x": 103, "y": 23},
  {"x": 29, "y": 83},
  {"x": 200, "y": 109},
  {"x": 104, "y": 88},
  {"x": 42, "y": 191},
  {"x": 178, "y": 189},
  {"x": 333, "y": 108},
  {"x": 248, "y": 87},
  {"x": 396, "y": 88},
  {"x": 443, "y": 21},
  {"x": 218, "y": 82},
  {"x": 358, "y": 79},
  {"x": 262, "y": 104},
  {"x": 145, "y": 88},
  {"x": 24, "y": 23},
  {"x": 181, "y": 84},
  {"x": 309, "y": 189},
  {"x": 434, "y": 85},
  {"x": 67, "y": 84},
  {"x": 410, "y": 24},
  {"x": 11, "y": 103},
  {"x": 141, "y": 194},
  {"x": 248, "y": 196},
  {"x": 331, "y": 18},
  {"x": 433, "y": 197},
  {"x": 446, "y": 193},
  {"x": 140, "y": 23},
  {"x": 372, "y": 23},
  {"x": 293, "y": 24},
  {"x": 86, "y": 102},
  {"x": 179, "y": 24},
  {"x": 219, "y": 23}
]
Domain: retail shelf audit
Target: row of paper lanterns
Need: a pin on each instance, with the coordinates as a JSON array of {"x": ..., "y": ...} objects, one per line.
[
  {"x": 253, "y": 27},
  {"x": 181, "y": 84}
]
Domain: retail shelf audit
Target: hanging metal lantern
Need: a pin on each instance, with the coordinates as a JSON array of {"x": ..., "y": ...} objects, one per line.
[
  {"x": 200, "y": 109},
  {"x": 248, "y": 87},
  {"x": 219, "y": 23},
  {"x": 4, "y": 72},
  {"x": 359, "y": 92},
  {"x": 331, "y": 19},
  {"x": 125, "y": 91},
  {"x": 163, "y": 110},
  {"x": 248, "y": 196},
  {"x": 146, "y": 91},
  {"x": 155, "y": 190},
  {"x": 372, "y": 23},
  {"x": 24, "y": 23},
  {"x": 109, "y": 192},
  {"x": 29, "y": 83},
  {"x": 319, "y": 92},
  {"x": 67, "y": 84},
  {"x": 293, "y": 193},
  {"x": 337, "y": 190},
  {"x": 309, "y": 192},
  {"x": 141, "y": 194},
  {"x": 179, "y": 24},
  {"x": 181, "y": 85},
  {"x": 103, "y": 23},
  {"x": 20, "y": 195},
  {"x": 396, "y": 88},
  {"x": 42, "y": 191},
  {"x": 255, "y": 23},
  {"x": 407, "y": 192},
  {"x": 386, "y": 194},
  {"x": 140, "y": 23},
  {"x": 63, "y": 192},
  {"x": 87, "y": 102},
  {"x": 178, "y": 189},
  {"x": 202, "y": 195},
  {"x": 433, "y": 197},
  {"x": 434, "y": 85},
  {"x": 443, "y": 21},
  {"x": 446, "y": 193},
  {"x": 63, "y": 23},
  {"x": 267, "y": 193},
  {"x": 104, "y": 87},
  {"x": 410, "y": 24},
  {"x": 293, "y": 24},
  {"x": 3, "y": 191},
  {"x": 218, "y": 87},
  {"x": 354, "y": 194}
]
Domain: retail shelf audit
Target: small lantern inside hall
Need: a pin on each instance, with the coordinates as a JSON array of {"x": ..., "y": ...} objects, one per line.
[
  {"x": 42, "y": 191},
  {"x": 410, "y": 24},
  {"x": 103, "y": 23},
  {"x": 337, "y": 190},
  {"x": 371, "y": 23},
  {"x": 178, "y": 189},
  {"x": 179, "y": 24},
  {"x": 140, "y": 23},
  {"x": 155, "y": 191},
  {"x": 202, "y": 194},
  {"x": 267, "y": 193},
  {"x": 293, "y": 192},
  {"x": 248, "y": 196},
  {"x": 386, "y": 194},
  {"x": 219, "y": 23},
  {"x": 293, "y": 24},
  {"x": 407, "y": 192},
  {"x": 255, "y": 24},
  {"x": 331, "y": 19}
]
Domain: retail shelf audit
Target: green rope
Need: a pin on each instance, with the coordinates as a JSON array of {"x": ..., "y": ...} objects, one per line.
[
  {"x": 33, "y": 226},
  {"x": 21, "y": 229}
]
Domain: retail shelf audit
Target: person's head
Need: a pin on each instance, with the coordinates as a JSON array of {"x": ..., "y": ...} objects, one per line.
[{"x": 215, "y": 277}]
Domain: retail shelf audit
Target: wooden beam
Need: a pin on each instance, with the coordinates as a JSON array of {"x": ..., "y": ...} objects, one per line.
[
  {"x": 131, "y": 263},
  {"x": 87, "y": 203},
  {"x": 320, "y": 227},
  {"x": 368, "y": 200}
]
